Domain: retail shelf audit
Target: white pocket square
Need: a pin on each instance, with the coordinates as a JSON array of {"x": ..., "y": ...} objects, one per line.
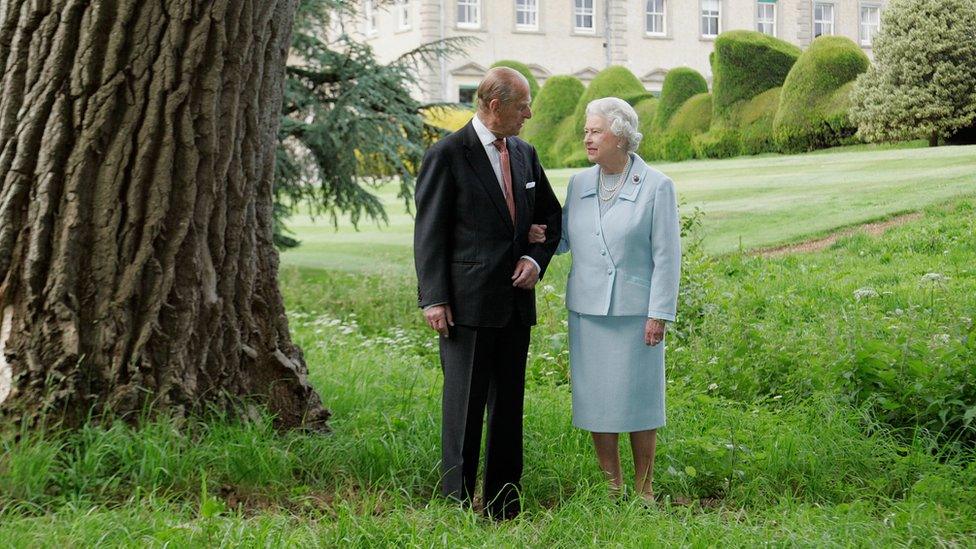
[{"x": 530, "y": 185}]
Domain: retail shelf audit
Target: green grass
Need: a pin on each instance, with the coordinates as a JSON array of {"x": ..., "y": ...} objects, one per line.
[
  {"x": 781, "y": 428},
  {"x": 755, "y": 201}
]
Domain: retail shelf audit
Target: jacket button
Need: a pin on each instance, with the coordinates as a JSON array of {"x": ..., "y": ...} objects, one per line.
[
  {"x": 609, "y": 271},
  {"x": 603, "y": 252}
]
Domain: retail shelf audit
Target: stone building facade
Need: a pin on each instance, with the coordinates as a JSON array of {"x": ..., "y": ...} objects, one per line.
[{"x": 582, "y": 37}]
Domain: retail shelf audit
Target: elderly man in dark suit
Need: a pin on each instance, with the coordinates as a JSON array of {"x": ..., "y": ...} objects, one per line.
[{"x": 478, "y": 191}]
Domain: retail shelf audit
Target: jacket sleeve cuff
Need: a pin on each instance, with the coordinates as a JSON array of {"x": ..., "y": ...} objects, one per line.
[{"x": 660, "y": 315}]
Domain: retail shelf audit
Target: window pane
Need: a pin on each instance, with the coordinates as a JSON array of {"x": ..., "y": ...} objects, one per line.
[
  {"x": 710, "y": 17},
  {"x": 583, "y": 15},
  {"x": 654, "y": 18}
]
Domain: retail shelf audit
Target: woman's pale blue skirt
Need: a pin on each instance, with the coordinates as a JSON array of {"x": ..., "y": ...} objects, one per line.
[{"x": 617, "y": 380}]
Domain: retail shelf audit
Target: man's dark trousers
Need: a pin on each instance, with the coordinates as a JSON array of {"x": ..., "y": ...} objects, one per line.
[{"x": 484, "y": 366}]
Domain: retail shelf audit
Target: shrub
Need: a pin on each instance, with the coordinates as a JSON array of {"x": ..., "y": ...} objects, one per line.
[
  {"x": 814, "y": 104},
  {"x": 754, "y": 120},
  {"x": 524, "y": 69},
  {"x": 615, "y": 81},
  {"x": 556, "y": 102},
  {"x": 747, "y": 63},
  {"x": 679, "y": 84},
  {"x": 448, "y": 118},
  {"x": 718, "y": 143},
  {"x": 923, "y": 81}
]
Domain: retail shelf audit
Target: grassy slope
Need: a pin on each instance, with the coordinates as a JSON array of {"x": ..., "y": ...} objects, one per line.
[{"x": 761, "y": 200}]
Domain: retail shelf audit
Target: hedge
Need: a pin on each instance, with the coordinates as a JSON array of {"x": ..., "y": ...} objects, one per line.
[
  {"x": 615, "y": 81},
  {"x": 679, "y": 84},
  {"x": 747, "y": 63},
  {"x": 814, "y": 104},
  {"x": 555, "y": 103},
  {"x": 524, "y": 69}
]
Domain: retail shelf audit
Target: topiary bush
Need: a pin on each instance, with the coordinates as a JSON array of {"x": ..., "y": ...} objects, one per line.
[
  {"x": 556, "y": 102},
  {"x": 673, "y": 146},
  {"x": 615, "y": 81},
  {"x": 524, "y": 69},
  {"x": 813, "y": 107},
  {"x": 694, "y": 116},
  {"x": 569, "y": 151},
  {"x": 747, "y": 63},
  {"x": 754, "y": 120},
  {"x": 679, "y": 84},
  {"x": 718, "y": 143},
  {"x": 646, "y": 113}
]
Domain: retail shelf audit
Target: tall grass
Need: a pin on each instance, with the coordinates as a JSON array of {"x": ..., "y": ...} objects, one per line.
[{"x": 780, "y": 428}]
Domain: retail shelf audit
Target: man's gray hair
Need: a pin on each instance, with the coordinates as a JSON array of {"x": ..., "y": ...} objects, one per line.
[{"x": 620, "y": 117}]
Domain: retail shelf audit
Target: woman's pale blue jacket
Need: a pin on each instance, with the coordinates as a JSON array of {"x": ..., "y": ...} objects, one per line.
[{"x": 627, "y": 262}]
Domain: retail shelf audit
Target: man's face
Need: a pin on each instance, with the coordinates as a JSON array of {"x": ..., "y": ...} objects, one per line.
[{"x": 511, "y": 116}]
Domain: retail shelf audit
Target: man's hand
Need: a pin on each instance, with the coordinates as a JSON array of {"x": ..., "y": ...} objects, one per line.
[
  {"x": 537, "y": 234},
  {"x": 439, "y": 317},
  {"x": 653, "y": 331},
  {"x": 526, "y": 275}
]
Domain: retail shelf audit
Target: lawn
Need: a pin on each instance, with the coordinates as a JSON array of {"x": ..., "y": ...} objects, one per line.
[
  {"x": 748, "y": 201},
  {"x": 818, "y": 400}
]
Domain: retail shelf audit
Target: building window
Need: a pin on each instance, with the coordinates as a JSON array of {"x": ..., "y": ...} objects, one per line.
[
  {"x": 527, "y": 14},
  {"x": 870, "y": 24},
  {"x": 466, "y": 94},
  {"x": 369, "y": 15},
  {"x": 823, "y": 19},
  {"x": 710, "y": 14},
  {"x": 654, "y": 17},
  {"x": 469, "y": 14},
  {"x": 766, "y": 17},
  {"x": 403, "y": 14},
  {"x": 583, "y": 16}
]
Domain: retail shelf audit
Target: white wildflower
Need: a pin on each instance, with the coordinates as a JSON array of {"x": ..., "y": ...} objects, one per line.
[
  {"x": 934, "y": 278},
  {"x": 712, "y": 386},
  {"x": 864, "y": 293}
]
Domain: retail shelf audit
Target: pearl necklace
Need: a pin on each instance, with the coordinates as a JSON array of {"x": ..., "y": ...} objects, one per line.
[{"x": 607, "y": 193}]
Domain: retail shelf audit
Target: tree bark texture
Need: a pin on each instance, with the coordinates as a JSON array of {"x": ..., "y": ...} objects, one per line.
[{"x": 137, "y": 270}]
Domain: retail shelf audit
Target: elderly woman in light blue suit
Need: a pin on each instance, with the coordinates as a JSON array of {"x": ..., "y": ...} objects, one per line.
[{"x": 620, "y": 221}]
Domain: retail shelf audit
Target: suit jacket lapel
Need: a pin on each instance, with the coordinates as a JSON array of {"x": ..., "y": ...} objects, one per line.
[{"x": 478, "y": 160}]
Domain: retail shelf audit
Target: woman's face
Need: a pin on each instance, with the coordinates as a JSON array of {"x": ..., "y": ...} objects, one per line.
[{"x": 601, "y": 144}]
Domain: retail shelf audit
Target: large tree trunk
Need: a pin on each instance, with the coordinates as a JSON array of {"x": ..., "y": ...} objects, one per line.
[{"x": 137, "y": 146}]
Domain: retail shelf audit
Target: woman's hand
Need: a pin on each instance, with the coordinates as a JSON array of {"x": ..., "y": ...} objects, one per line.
[
  {"x": 653, "y": 331},
  {"x": 537, "y": 234}
]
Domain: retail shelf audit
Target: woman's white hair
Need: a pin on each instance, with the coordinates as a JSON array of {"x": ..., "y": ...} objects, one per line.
[{"x": 620, "y": 116}]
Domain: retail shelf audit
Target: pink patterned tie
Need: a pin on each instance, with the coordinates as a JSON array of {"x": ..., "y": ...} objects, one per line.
[{"x": 506, "y": 175}]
